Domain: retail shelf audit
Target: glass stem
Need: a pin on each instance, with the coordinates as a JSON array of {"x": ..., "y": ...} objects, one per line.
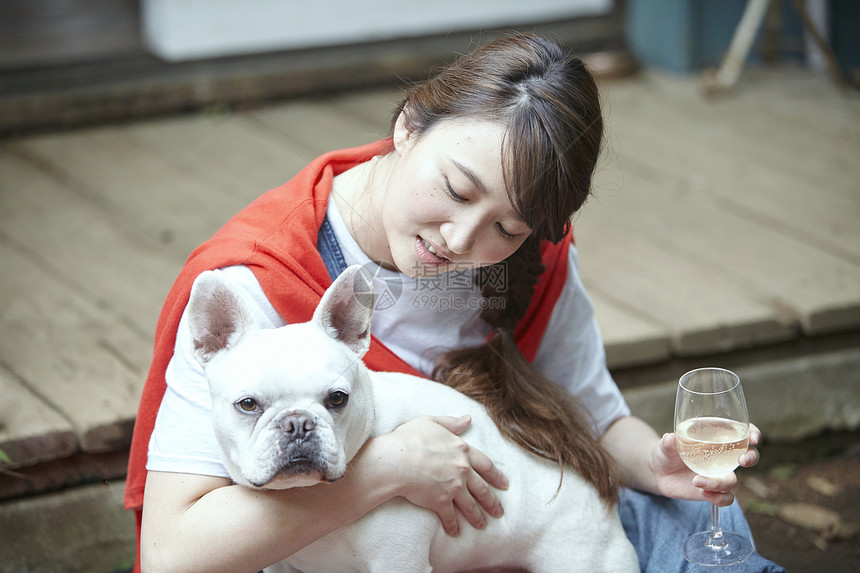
[{"x": 716, "y": 539}]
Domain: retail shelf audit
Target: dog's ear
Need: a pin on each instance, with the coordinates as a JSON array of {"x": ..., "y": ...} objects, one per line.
[
  {"x": 217, "y": 316},
  {"x": 345, "y": 309}
]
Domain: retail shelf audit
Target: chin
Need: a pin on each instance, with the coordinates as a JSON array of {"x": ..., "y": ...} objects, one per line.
[{"x": 298, "y": 480}]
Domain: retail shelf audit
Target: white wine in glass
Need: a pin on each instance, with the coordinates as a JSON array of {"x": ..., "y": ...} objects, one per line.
[{"x": 711, "y": 433}]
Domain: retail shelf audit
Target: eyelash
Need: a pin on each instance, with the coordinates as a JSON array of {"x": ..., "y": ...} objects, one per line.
[
  {"x": 452, "y": 193},
  {"x": 461, "y": 199},
  {"x": 504, "y": 233}
]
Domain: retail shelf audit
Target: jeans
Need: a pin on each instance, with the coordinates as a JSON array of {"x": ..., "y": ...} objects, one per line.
[
  {"x": 658, "y": 525},
  {"x": 330, "y": 251}
]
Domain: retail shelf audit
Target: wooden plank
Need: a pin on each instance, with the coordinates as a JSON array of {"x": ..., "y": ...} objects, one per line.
[
  {"x": 234, "y": 152},
  {"x": 783, "y": 273},
  {"x": 714, "y": 153},
  {"x": 629, "y": 339},
  {"x": 159, "y": 202},
  {"x": 720, "y": 146},
  {"x": 315, "y": 127},
  {"x": 99, "y": 255},
  {"x": 73, "y": 470},
  {"x": 373, "y": 107},
  {"x": 804, "y": 98},
  {"x": 77, "y": 357},
  {"x": 249, "y": 152},
  {"x": 797, "y": 126},
  {"x": 770, "y": 198},
  {"x": 703, "y": 313},
  {"x": 31, "y": 431}
]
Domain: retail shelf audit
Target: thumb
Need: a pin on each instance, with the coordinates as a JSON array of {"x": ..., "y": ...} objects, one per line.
[
  {"x": 452, "y": 424},
  {"x": 667, "y": 445}
]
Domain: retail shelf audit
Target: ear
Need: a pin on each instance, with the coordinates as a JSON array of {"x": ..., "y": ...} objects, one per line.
[
  {"x": 217, "y": 316},
  {"x": 403, "y": 133},
  {"x": 346, "y": 307}
]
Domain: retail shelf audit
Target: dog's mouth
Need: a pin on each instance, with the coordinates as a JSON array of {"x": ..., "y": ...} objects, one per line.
[
  {"x": 303, "y": 463},
  {"x": 297, "y": 465},
  {"x": 296, "y": 462}
]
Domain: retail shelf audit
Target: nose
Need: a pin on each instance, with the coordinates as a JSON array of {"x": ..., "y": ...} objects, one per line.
[
  {"x": 460, "y": 236},
  {"x": 297, "y": 425}
]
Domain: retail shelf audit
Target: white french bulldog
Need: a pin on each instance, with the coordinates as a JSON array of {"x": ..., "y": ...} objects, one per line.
[{"x": 293, "y": 405}]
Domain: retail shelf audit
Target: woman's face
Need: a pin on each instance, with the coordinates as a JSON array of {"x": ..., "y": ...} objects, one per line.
[{"x": 445, "y": 205}]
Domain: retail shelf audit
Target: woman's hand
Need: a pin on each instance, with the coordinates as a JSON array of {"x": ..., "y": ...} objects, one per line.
[
  {"x": 675, "y": 479},
  {"x": 436, "y": 469}
]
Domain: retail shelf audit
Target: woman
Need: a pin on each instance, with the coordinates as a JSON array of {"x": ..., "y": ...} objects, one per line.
[{"x": 486, "y": 164}]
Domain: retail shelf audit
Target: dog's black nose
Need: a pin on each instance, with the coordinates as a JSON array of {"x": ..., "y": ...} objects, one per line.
[{"x": 297, "y": 426}]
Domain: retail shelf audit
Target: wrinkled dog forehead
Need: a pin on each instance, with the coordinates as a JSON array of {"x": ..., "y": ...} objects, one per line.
[
  {"x": 299, "y": 355},
  {"x": 305, "y": 350}
]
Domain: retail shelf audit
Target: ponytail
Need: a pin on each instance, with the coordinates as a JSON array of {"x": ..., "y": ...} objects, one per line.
[{"x": 527, "y": 407}]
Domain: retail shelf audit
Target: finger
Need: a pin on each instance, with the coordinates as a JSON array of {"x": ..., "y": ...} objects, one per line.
[
  {"x": 667, "y": 443},
  {"x": 755, "y": 435},
  {"x": 749, "y": 458},
  {"x": 669, "y": 450},
  {"x": 471, "y": 510},
  {"x": 716, "y": 485},
  {"x": 484, "y": 496},
  {"x": 485, "y": 468},
  {"x": 720, "y": 499},
  {"x": 452, "y": 424},
  {"x": 448, "y": 517}
]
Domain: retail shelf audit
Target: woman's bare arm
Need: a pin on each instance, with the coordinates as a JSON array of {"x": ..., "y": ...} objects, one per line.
[{"x": 203, "y": 523}]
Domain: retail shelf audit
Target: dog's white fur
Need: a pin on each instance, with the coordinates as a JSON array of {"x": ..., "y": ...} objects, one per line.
[{"x": 301, "y": 431}]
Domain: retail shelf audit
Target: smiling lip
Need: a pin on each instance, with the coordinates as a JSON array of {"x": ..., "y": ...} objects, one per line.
[{"x": 422, "y": 248}]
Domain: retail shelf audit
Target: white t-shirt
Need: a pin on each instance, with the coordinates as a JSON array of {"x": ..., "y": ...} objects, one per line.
[{"x": 415, "y": 319}]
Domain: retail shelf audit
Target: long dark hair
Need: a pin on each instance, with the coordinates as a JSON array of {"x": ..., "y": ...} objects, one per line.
[{"x": 549, "y": 104}]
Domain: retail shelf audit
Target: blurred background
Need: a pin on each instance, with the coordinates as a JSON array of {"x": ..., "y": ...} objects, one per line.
[{"x": 723, "y": 229}]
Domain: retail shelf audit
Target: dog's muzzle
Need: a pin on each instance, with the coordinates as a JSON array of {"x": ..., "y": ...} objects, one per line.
[
  {"x": 297, "y": 425},
  {"x": 299, "y": 448}
]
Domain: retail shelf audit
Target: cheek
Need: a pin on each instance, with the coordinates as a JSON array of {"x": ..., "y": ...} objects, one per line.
[
  {"x": 491, "y": 257},
  {"x": 402, "y": 191},
  {"x": 495, "y": 249},
  {"x": 418, "y": 191},
  {"x": 422, "y": 206}
]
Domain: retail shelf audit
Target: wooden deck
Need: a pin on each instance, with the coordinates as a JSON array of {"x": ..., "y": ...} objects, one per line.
[{"x": 715, "y": 226}]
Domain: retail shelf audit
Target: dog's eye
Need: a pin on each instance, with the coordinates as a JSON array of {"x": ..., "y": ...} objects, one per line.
[
  {"x": 337, "y": 399},
  {"x": 247, "y": 404}
]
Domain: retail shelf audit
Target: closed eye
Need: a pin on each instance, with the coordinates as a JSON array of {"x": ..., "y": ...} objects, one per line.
[
  {"x": 453, "y": 193},
  {"x": 505, "y": 234}
]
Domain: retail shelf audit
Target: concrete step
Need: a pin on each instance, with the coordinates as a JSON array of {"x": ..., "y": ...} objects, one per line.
[{"x": 78, "y": 530}]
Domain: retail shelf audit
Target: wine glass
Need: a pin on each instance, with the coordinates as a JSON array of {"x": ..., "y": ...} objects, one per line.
[{"x": 711, "y": 432}]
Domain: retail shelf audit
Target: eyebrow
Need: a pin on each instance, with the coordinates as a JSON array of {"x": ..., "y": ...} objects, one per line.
[
  {"x": 477, "y": 182},
  {"x": 471, "y": 175}
]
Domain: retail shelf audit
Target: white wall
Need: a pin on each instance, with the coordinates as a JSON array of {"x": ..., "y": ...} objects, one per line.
[{"x": 190, "y": 29}]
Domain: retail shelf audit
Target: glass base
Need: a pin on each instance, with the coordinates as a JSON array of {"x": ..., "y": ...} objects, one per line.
[{"x": 733, "y": 548}]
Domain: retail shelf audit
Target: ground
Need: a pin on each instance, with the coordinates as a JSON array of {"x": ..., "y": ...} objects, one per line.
[{"x": 803, "y": 503}]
